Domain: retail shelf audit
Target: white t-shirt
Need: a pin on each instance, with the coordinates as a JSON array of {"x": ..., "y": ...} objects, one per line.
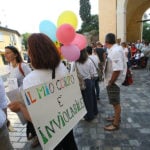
[
  {"x": 87, "y": 69},
  {"x": 95, "y": 61},
  {"x": 15, "y": 73},
  {"x": 125, "y": 50},
  {"x": 39, "y": 76},
  {"x": 115, "y": 62}
]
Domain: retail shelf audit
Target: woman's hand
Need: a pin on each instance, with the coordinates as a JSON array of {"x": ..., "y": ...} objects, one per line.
[{"x": 15, "y": 106}]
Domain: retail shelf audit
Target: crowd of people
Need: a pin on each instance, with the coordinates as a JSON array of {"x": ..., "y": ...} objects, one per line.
[
  {"x": 108, "y": 63},
  {"x": 138, "y": 54}
]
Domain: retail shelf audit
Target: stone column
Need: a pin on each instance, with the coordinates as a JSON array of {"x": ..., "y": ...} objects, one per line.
[
  {"x": 107, "y": 18},
  {"x": 121, "y": 20}
]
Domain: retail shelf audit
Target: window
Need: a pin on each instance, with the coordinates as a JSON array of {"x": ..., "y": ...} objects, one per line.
[
  {"x": 12, "y": 39},
  {"x": 1, "y": 36}
]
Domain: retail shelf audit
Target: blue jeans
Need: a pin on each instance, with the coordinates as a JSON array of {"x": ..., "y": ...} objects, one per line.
[{"x": 90, "y": 100}]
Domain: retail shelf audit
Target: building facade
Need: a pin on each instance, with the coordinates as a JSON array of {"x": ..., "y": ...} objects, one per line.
[
  {"x": 8, "y": 37},
  {"x": 121, "y": 17}
]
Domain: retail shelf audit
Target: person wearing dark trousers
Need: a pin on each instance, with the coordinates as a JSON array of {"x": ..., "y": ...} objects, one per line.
[
  {"x": 68, "y": 143},
  {"x": 86, "y": 69},
  {"x": 95, "y": 60}
]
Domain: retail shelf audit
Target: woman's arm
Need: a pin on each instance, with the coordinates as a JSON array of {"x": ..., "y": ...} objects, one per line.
[{"x": 17, "y": 106}]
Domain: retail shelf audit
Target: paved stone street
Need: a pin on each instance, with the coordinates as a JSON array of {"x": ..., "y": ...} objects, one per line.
[{"x": 134, "y": 132}]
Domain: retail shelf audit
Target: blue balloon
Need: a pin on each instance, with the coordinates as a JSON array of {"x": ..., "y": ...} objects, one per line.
[{"x": 47, "y": 27}]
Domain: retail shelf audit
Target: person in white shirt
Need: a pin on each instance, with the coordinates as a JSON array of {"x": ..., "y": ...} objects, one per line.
[
  {"x": 125, "y": 50},
  {"x": 95, "y": 60},
  {"x": 18, "y": 69},
  {"x": 139, "y": 45},
  {"x": 145, "y": 47},
  {"x": 137, "y": 58},
  {"x": 47, "y": 65},
  {"x": 5, "y": 143},
  {"x": 115, "y": 73},
  {"x": 87, "y": 70}
]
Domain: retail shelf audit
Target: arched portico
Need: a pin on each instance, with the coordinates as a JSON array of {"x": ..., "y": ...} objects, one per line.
[{"x": 120, "y": 17}]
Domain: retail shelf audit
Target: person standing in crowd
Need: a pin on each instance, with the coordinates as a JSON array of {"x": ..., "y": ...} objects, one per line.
[
  {"x": 93, "y": 45},
  {"x": 95, "y": 61},
  {"x": 18, "y": 70},
  {"x": 139, "y": 45},
  {"x": 5, "y": 143},
  {"x": 126, "y": 51},
  {"x": 101, "y": 53},
  {"x": 147, "y": 55},
  {"x": 41, "y": 47},
  {"x": 133, "y": 49},
  {"x": 118, "y": 41},
  {"x": 128, "y": 80},
  {"x": 145, "y": 47},
  {"x": 86, "y": 69},
  {"x": 115, "y": 72}
]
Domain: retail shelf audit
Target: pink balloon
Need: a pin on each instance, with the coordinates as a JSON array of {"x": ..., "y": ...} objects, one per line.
[
  {"x": 70, "y": 52},
  {"x": 65, "y": 34},
  {"x": 80, "y": 40}
]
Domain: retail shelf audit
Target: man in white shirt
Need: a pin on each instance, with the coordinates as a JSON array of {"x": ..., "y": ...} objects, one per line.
[
  {"x": 5, "y": 143},
  {"x": 115, "y": 72}
]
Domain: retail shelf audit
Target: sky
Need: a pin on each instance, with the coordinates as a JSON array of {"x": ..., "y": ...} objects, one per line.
[{"x": 26, "y": 15}]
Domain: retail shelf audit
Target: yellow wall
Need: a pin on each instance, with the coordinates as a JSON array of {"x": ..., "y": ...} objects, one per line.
[
  {"x": 120, "y": 17},
  {"x": 107, "y": 18}
]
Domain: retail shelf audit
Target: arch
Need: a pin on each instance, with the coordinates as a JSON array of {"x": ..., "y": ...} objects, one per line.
[
  {"x": 134, "y": 14},
  {"x": 120, "y": 17}
]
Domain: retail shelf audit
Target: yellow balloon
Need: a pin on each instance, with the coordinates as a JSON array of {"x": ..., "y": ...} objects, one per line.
[{"x": 67, "y": 17}]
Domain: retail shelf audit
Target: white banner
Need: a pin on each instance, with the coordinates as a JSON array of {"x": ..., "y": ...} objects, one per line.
[{"x": 55, "y": 108}]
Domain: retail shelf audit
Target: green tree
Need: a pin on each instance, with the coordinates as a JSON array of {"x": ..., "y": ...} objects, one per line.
[
  {"x": 90, "y": 23},
  {"x": 24, "y": 39},
  {"x": 85, "y": 10},
  {"x": 146, "y": 31},
  {"x": 93, "y": 24}
]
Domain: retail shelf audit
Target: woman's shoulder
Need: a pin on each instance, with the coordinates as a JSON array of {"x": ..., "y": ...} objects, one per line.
[
  {"x": 33, "y": 78},
  {"x": 61, "y": 70},
  {"x": 24, "y": 65},
  {"x": 39, "y": 76}
]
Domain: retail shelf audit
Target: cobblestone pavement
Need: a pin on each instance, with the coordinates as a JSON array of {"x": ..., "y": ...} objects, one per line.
[{"x": 134, "y": 132}]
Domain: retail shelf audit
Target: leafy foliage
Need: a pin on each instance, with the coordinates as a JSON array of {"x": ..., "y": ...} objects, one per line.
[
  {"x": 24, "y": 39},
  {"x": 85, "y": 10},
  {"x": 146, "y": 31},
  {"x": 90, "y": 24},
  {"x": 93, "y": 24}
]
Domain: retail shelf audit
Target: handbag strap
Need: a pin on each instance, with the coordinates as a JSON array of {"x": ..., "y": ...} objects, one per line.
[
  {"x": 78, "y": 73},
  {"x": 93, "y": 62},
  {"x": 53, "y": 73},
  {"x": 21, "y": 70}
]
